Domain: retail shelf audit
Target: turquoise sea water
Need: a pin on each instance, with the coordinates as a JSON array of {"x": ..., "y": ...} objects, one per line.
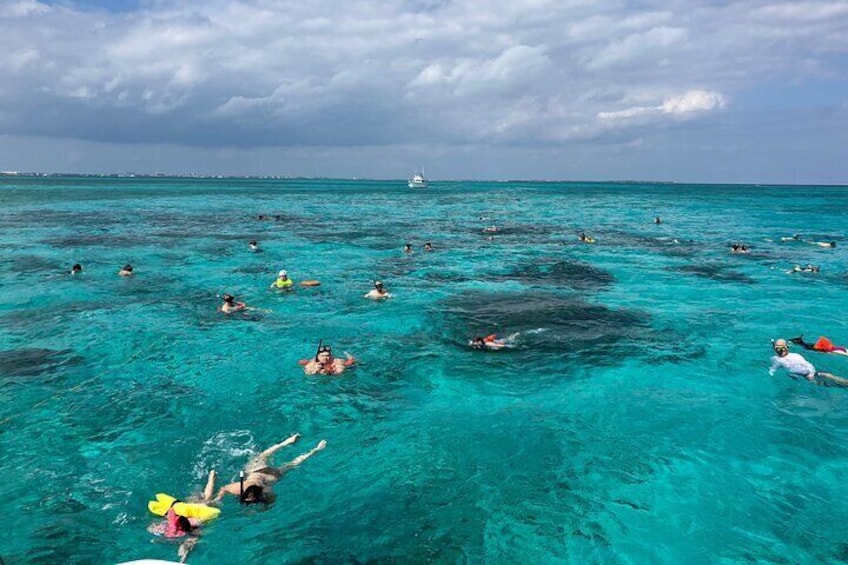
[{"x": 634, "y": 422}]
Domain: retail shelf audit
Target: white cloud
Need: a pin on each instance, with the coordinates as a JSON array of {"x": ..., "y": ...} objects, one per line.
[
  {"x": 686, "y": 105},
  {"x": 693, "y": 102}
]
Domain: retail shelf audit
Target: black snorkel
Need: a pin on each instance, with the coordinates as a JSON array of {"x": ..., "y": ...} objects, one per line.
[
  {"x": 317, "y": 351},
  {"x": 241, "y": 487}
]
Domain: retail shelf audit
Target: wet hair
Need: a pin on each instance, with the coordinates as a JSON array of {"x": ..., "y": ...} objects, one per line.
[
  {"x": 127, "y": 267},
  {"x": 833, "y": 244},
  {"x": 184, "y": 524},
  {"x": 253, "y": 242},
  {"x": 254, "y": 494},
  {"x": 76, "y": 267},
  {"x": 228, "y": 298}
]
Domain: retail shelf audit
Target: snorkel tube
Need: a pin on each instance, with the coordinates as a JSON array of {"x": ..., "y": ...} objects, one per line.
[{"x": 241, "y": 487}]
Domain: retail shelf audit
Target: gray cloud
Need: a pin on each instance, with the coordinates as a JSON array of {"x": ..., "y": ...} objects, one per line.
[{"x": 532, "y": 73}]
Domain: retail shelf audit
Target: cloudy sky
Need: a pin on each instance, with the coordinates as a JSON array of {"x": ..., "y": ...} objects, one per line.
[{"x": 682, "y": 90}]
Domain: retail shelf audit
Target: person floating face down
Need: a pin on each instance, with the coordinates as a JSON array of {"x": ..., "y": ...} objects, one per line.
[
  {"x": 126, "y": 270},
  {"x": 174, "y": 526},
  {"x": 325, "y": 364},
  {"x": 379, "y": 292},
  {"x": 492, "y": 342},
  {"x": 258, "y": 478},
  {"x": 76, "y": 269},
  {"x": 230, "y": 305}
]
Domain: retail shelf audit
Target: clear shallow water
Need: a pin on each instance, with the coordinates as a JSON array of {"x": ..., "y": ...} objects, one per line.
[{"x": 635, "y": 421}]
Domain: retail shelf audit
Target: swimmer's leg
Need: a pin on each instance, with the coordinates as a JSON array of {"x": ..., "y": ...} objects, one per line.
[
  {"x": 301, "y": 458},
  {"x": 833, "y": 379},
  {"x": 185, "y": 549},
  {"x": 276, "y": 447}
]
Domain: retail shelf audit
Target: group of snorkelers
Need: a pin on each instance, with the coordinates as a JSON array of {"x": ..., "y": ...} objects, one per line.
[
  {"x": 125, "y": 271},
  {"x": 407, "y": 248}
]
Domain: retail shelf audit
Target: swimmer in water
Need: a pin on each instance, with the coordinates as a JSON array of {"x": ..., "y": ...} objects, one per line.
[
  {"x": 657, "y": 220},
  {"x": 492, "y": 342},
  {"x": 428, "y": 246},
  {"x": 407, "y": 248},
  {"x": 230, "y": 305},
  {"x": 798, "y": 367},
  {"x": 822, "y": 345},
  {"x": 491, "y": 229},
  {"x": 826, "y": 244},
  {"x": 254, "y": 246},
  {"x": 808, "y": 269},
  {"x": 126, "y": 270},
  {"x": 795, "y": 237},
  {"x": 325, "y": 364},
  {"x": 174, "y": 526},
  {"x": 76, "y": 269},
  {"x": 258, "y": 478},
  {"x": 283, "y": 282},
  {"x": 379, "y": 292}
]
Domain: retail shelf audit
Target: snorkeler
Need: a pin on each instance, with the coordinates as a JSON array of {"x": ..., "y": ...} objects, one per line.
[
  {"x": 230, "y": 305},
  {"x": 585, "y": 238},
  {"x": 325, "y": 364},
  {"x": 795, "y": 237},
  {"x": 492, "y": 342},
  {"x": 76, "y": 269},
  {"x": 407, "y": 248},
  {"x": 807, "y": 269},
  {"x": 827, "y": 244},
  {"x": 657, "y": 220},
  {"x": 822, "y": 345},
  {"x": 428, "y": 246},
  {"x": 283, "y": 281},
  {"x": 126, "y": 270},
  {"x": 258, "y": 477},
  {"x": 176, "y": 526},
  {"x": 798, "y": 367},
  {"x": 254, "y": 246},
  {"x": 379, "y": 292},
  {"x": 739, "y": 248},
  {"x": 491, "y": 229}
]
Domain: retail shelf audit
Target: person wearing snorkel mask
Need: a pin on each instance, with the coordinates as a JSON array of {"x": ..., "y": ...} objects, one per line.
[
  {"x": 230, "y": 305},
  {"x": 379, "y": 292},
  {"x": 258, "y": 477},
  {"x": 798, "y": 367},
  {"x": 325, "y": 364}
]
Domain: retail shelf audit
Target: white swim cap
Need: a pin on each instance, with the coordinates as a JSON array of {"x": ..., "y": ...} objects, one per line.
[{"x": 283, "y": 273}]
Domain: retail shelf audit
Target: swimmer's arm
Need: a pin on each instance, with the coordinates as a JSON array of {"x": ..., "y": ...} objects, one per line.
[
  {"x": 774, "y": 367},
  {"x": 232, "y": 488},
  {"x": 350, "y": 360}
]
